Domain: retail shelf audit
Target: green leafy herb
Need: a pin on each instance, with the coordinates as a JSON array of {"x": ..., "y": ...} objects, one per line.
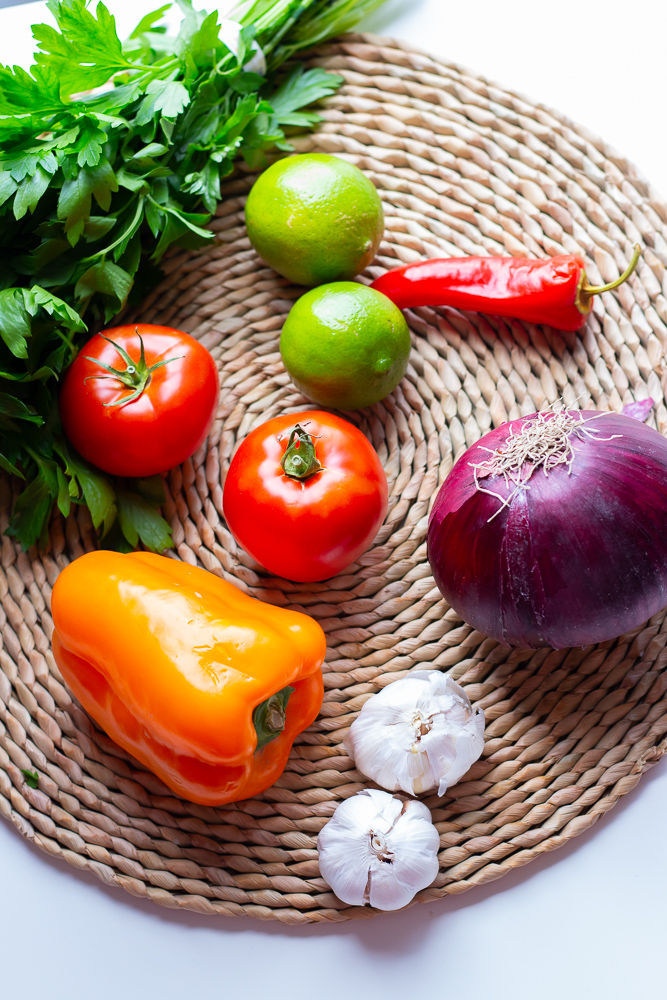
[
  {"x": 110, "y": 153},
  {"x": 138, "y": 520},
  {"x": 31, "y": 778}
]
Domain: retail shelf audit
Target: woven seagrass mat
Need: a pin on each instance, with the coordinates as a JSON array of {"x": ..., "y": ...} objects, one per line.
[{"x": 463, "y": 168}]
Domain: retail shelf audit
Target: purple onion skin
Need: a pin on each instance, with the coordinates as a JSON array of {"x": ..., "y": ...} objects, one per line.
[{"x": 576, "y": 559}]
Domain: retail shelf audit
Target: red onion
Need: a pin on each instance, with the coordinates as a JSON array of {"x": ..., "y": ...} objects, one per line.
[{"x": 552, "y": 529}]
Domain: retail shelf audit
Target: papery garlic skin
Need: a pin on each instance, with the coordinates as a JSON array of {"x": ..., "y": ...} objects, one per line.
[
  {"x": 377, "y": 849},
  {"x": 416, "y": 734}
]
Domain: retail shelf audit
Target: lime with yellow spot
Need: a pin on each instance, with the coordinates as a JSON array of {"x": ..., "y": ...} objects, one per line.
[
  {"x": 345, "y": 345},
  {"x": 314, "y": 218}
]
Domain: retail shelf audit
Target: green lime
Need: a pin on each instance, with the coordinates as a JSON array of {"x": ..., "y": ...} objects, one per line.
[
  {"x": 314, "y": 218},
  {"x": 345, "y": 345}
]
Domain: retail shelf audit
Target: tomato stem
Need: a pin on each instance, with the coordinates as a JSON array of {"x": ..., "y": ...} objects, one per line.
[
  {"x": 300, "y": 460},
  {"x": 136, "y": 376}
]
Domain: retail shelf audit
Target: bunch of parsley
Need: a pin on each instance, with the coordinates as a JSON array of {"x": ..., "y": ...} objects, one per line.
[{"x": 110, "y": 153}]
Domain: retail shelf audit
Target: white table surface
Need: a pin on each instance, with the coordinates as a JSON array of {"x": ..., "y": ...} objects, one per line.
[{"x": 587, "y": 921}]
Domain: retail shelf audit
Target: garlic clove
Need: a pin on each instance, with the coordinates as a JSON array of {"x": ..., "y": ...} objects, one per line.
[
  {"x": 440, "y": 748},
  {"x": 377, "y": 849},
  {"x": 469, "y": 746},
  {"x": 418, "y": 733},
  {"x": 414, "y": 842},
  {"x": 389, "y": 770}
]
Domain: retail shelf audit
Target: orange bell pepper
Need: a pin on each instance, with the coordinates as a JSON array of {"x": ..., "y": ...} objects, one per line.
[{"x": 204, "y": 685}]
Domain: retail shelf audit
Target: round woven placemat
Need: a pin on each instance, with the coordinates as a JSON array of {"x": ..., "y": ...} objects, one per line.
[{"x": 463, "y": 168}]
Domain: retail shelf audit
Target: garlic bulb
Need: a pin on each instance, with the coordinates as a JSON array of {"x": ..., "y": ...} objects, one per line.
[
  {"x": 377, "y": 849},
  {"x": 416, "y": 734}
]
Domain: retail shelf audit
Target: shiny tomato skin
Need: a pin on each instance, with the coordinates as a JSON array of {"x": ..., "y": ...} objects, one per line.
[
  {"x": 164, "y": 425},
  {"x": 311, "y": 529}
]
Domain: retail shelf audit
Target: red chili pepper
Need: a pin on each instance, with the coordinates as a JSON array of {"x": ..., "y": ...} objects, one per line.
[{"x": 552, "y": 291}]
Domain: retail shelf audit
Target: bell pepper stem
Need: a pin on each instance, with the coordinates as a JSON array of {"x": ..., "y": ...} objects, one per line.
[
  {"x": 300, "y": 460},
  {"x": 586, "y": 291},
  {"x": 269, "y": 717}
]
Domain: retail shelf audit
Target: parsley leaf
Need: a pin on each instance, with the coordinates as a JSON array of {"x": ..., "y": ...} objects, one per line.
[
  {"x": 20, "y": 91},
  {"x": 85, "y": 52},
  {"x": 302, "y": 87},
  {"x": 95, "y": 488},
  {"x": 31, "y": 511},
  {"x": 31, "y": 778},
  {"x": 150, "y": 20},
  {"x": 105, "y": 278},
  {"x": 140, "y": 521},
  {"x": 14, "y": 321},
  {"x": 164, "y": 97}
]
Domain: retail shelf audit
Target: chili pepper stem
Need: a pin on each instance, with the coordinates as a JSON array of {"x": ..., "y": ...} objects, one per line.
[
  {"x": 300, "y": 461},
  {"x": 136, "y": 376},
  {"x": 586, "y": 292}
]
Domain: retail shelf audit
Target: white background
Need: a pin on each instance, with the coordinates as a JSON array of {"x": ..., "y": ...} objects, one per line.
[{"x": 588, "y": 921}]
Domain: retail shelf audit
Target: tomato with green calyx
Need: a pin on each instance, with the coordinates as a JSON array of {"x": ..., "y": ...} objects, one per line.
[
  {"x": 305, "y": 495},
  {"x": 139, "y": 400}
]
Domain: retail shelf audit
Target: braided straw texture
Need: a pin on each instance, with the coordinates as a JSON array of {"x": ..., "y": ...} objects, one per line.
[{"x": 463, "y": 168}]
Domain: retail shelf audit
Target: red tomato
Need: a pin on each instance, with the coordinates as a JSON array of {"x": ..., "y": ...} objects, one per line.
[
  {"x": 308, "y": 528},
  {"x": 160, "y": 425}
]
